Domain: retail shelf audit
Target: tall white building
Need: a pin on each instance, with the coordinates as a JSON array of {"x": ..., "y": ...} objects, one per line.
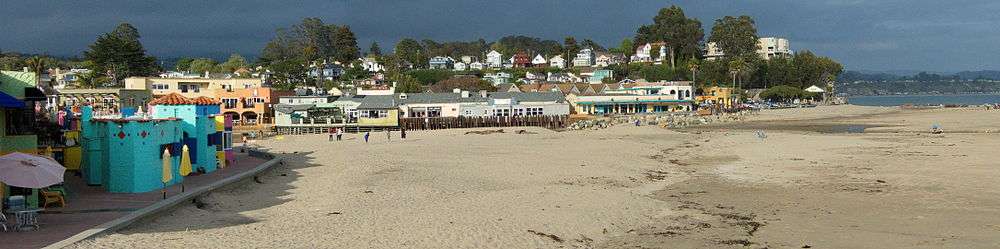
[
  {"x": 771, "y": 47},
  {"x": 767, "y": 48}
]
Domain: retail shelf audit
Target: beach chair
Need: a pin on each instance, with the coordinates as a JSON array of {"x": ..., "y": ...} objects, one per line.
[{"x": 53, "y": 197}]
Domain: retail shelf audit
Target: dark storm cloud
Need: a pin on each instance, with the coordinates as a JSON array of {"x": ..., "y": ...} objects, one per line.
[{"x": 874, "y": 34}]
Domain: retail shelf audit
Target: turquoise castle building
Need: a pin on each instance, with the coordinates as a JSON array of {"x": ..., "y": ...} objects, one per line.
[{"x": 124, "y": 154}]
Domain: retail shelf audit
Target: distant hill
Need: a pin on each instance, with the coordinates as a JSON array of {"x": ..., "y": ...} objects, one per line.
[
  {"x": 884, "y": 83},
  {"x": 985, "y": 74},
  {"x": 868, "y": 75}
]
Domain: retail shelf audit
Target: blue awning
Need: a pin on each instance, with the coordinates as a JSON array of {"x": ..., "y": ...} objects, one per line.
[{"x": 7, "y": 101}]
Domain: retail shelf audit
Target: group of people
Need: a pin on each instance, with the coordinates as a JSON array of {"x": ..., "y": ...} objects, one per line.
[{"x": 339, "y": 134}]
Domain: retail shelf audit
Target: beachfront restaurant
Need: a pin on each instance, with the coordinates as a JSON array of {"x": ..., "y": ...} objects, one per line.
[{"x": 628, "y": 104}]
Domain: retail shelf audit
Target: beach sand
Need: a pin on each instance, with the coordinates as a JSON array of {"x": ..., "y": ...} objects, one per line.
[{"x": 810, "y": 183}]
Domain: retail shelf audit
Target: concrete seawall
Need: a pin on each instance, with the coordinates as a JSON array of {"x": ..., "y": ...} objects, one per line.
[{"x": 170, "y": 203}]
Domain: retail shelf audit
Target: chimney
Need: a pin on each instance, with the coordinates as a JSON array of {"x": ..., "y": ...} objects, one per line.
[
  {"x": 456, "y": 90},
  {"x": 25, "y": 69},
  {"x": 465, "y": 94},
  {"x": 206, "y": 74}
]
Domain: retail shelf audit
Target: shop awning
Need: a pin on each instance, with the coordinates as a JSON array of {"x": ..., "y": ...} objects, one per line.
[{"x": 7, "y": 101}]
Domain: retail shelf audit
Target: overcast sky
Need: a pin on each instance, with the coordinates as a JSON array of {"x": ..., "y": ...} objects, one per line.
[{"x": 936, "y": 35}]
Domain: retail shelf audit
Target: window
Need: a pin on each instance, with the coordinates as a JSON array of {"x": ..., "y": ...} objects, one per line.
[
  {"x": 184, "y": 88},
  {"x": 433, "y": 112},
  {"x": 19, "y": 121},
  {"x": 160, "y": 86},
  {"x": 229, "y": 103},
  {"x": 194, "y": 88},
  {"x": 501, "y": 112},
  {"x": 534, "y": 111},
  {"x": 375, "y": 114}
]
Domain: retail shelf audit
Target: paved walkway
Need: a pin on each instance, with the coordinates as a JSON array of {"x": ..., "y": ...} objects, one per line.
[{"x": 89, "y": 206}]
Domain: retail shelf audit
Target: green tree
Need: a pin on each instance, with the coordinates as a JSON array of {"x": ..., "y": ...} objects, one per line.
[
  {"x": 626, "y": 47},
  {"x": 409, "y": 50},
  {"x": 429, "y": 76},
  {"x": 119, "y": 55},
  {"x": 587, "y": 43},
  {"x": 570, "y": 48},
  {"x": 345, "y": 45},
  {"x": 374, "y": 49},
  {"x": 681, "y": 34},
  {"x": 235, "y": 61},
  {"x": 38, "y": 65},
  {"x": 90, "y": 79},
  {"x": 782, "y": 93},
  {"x": 202, "y": 65},
  {"x": 407, "y": 84},
  {"x": 11, "y": 62},
  {"x": 183, "y": 64},
  {"x": 736, "y": 36}
]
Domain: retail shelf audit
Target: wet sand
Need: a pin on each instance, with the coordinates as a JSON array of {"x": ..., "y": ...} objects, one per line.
[{"x": 893, "y": 186}]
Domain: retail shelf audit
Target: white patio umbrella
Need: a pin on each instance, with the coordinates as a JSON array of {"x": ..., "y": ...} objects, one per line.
[{"x": 30, "y": 171}]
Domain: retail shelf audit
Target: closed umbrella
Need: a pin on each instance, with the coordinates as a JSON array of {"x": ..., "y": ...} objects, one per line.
[
  {"x": 185, "y": 161},
  {"x": 30, "y": 171},
  {"x": 167, "y": 172}
]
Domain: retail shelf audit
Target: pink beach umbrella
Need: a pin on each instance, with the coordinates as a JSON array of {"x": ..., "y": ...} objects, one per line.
[{"x": 30, "y": 171}]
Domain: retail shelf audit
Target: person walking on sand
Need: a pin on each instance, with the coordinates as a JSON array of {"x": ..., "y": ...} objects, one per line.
[
  {"x": 366, "y": 136},
  {"x": 332, "y": 131},
  {"x": 402, "y": 133},
  {"x": 388, "y": 135},
  {"x": 340, "y": 134}
]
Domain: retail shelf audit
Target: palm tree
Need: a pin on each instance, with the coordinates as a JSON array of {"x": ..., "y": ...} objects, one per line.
[
  {"x": 735, "y": 66},
  {"x": 693, "y": 66},
  {"x": 37, "y": 64}
]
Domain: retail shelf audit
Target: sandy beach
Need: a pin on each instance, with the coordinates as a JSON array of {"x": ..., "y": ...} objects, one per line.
[{"x": 815, "y": 180}]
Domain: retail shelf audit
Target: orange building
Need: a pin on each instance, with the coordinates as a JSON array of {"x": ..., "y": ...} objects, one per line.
[{"x": 250, "y": 106}]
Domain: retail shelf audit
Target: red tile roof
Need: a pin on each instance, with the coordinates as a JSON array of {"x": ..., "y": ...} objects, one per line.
[
  {"x": 205, "y": 101},
  {"x": 172, "y": 99}
]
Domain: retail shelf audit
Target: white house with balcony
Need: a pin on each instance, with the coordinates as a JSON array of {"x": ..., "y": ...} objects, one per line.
[
  {"x": 584, "y": 58},
  {"x": 557, "y": 62},
  {"x": 494, "y": 59},
  {"x": 644, "y": 53}
]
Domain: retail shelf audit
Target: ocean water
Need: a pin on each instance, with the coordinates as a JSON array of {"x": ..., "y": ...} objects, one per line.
[{"x": 896, "y": 100}]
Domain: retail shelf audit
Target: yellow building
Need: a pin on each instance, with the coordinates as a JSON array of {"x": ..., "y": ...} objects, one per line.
[
  {"x": 716, "y": 96},
  {"x": 189, "y": 87},
  {"x": 378, "y": 111}
]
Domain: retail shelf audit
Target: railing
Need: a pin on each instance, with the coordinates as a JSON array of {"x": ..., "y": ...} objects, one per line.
[{"x": 547, "y": 121}]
